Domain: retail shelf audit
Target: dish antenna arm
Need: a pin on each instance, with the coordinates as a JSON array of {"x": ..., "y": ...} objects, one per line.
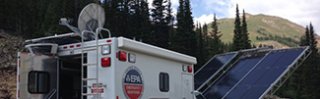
[
  {"x": 65, "y": 22},
  {"x": 99, "y": 29},
  {"x": 87, "y": 31}
]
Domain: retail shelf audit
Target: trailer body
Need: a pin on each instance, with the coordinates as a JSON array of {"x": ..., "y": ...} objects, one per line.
[{"x": 111, "y": 68}]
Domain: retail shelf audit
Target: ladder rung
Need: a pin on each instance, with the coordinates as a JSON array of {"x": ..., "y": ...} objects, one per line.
[
  {"x": 93, "y": 64},
  {"x": 85, "y": 79},
  {"x": 87, "y": 94}
]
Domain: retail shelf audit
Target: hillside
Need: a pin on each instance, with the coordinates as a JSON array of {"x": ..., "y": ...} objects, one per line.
[{"x": 264, "y": 29}]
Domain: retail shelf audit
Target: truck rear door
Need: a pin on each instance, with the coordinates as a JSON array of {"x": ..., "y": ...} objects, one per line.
[{"x": 37, "y": 76}]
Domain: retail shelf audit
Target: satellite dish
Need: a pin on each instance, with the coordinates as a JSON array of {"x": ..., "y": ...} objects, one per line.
[{"x": 91, "y": 17}]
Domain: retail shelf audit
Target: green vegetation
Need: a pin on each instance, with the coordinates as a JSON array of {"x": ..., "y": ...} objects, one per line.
[
  {"x": 216, "y": 46},
  {"x": 161, "y": 20},
  {"x": 184, "y": 40},
  {"x": 237, "y": 37},
  {"x": 270, "y": 25},
  {"x": 267, "y": 36}
]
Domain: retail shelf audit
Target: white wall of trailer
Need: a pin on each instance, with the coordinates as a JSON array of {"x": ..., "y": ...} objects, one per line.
[
  {"x": 149, "y": 62},
  {"x": 106, "y": 74},
  {"x": 150, "y": 68}
]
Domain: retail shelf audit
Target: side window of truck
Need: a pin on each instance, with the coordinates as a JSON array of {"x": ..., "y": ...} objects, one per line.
[
  {"x": 164, "y": 82},
  {"x": 38, "y": 82}
]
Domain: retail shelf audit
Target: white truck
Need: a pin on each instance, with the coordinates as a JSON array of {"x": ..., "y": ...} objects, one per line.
[
  {"x": 85, "y": 65},
  {"x": 111, "y": 68}
]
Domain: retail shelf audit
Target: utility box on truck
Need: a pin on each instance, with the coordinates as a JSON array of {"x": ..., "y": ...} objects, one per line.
[{"x": 112, "y": 68}]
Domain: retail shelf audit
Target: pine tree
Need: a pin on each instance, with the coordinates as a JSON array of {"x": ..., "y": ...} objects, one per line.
[
  {"x": 200, "y": 45},
  {"x": 49, "y": 25},
  {"x": 111, "y": 16},
  {"x": 145, "y": 22},
  {"x": 237, "y": 32},
  {"x": 244, "y": 33},
  {"x": 189, "y": 27},
  {"x": 170, "y": 22},
  {"x": 179, "y": 36},
  {"x": 138, "y": 20},
  {"x": 304, "y": 41},
  {"x": 314, "y": 64},
  {"x": 206, "y": 42},
  {"x": 184, "y": 38},
  {"x": 312, "y": 41},
  {"x": 205, "y": 31},
  {"x": 216, "y": 47},
  {"x": 161, "y": 17}
]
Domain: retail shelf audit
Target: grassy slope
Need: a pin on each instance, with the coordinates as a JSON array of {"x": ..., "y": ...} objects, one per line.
[{"x": 273, "y": 26}]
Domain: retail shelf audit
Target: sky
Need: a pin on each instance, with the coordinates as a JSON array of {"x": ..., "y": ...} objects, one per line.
[{"x": 301, "y": 12}]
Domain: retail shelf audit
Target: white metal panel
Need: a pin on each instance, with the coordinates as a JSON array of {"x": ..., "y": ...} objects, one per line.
[
  {"x": 107, "y": 74},
  {"x": 187, "y": 85},
  {"x": 29, "y": 62},
  {"x": 151, "y": 67},
  {"x": 128, "y": 44}
]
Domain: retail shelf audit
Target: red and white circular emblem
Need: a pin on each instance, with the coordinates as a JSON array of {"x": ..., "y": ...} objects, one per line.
[{"x": 132, "y": 83}]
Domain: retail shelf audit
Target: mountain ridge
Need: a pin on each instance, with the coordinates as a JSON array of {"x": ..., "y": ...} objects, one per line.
[{"x": 264, "y": 29}]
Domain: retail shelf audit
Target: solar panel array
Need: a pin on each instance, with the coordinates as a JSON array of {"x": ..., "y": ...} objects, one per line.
[
  {"x": 252, "y": 74},
  {"x": 211, "y": 67}
]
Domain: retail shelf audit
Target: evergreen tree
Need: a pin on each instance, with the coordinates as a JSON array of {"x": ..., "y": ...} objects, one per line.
[
  {"x": 309, "y": 69},
  {"x": 304, "y": 41},
  {"x": 237, "y": 32},
  {"x": 216, "y": 46},
  {"x": 200, "y": 45},
  {"x": 206, "y": 42},
  {"x": 138, "y": 20},
  {"x": 145, "y": 32},
  {"x": 133, "y": 25},
  {"x": 50, "y": 25},
  {"x": 171, "y": 25},
  {"x": 117, "y": 17},
  {"x": 312, "y": 41},
  {"x": 314, "y": 64},
  {"x": 205, "y": 31},
  {"x": 244, "y": 33},
  {"x": 185, "y": 38},
  {"x": 161, "y": 17}
]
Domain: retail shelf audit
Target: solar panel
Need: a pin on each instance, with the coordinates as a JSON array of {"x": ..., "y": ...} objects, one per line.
[
  {"x": 211, "y": 67},
  {"x": 226, "y": 82},
  {"x": 260, "y": 78},
  {"x": 252, "y": 76}
]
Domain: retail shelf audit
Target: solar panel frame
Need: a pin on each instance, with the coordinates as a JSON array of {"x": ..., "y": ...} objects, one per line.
[
  {"x": 305, "y": 53},
  {"x": 244, "y": 57},
  {"x": 250, "y": 76},
  {"x": 216, "y": 72},
  {"x": 284, "y": 68},
  {"x": 241, "y": 53},
  {"x": 275, "y": 67}
]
